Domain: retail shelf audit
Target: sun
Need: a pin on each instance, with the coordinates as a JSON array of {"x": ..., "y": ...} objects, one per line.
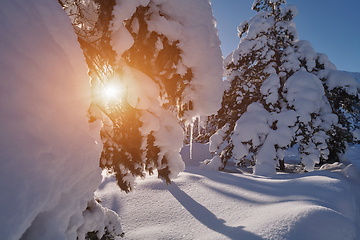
[{"x": 112, "y": 91}]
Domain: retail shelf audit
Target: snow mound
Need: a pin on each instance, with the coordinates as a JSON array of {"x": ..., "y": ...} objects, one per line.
[{"x": 49, "y": 157}]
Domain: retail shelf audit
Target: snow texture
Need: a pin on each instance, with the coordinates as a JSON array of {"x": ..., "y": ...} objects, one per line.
[
  {"x": 202, "y": 204},
  {"x": 306, "y": 94},
  {"x": 342, "y": 80},
  {"x": 217, "y": 138},
  {"x": 193, "y": 24},
  {"x": 49, "y": 154}
]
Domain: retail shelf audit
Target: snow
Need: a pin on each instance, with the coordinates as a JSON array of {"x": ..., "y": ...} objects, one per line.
[
  {"x": 355, "y": 75},
  {"x": 140, "y": 88},
  {"x": 352, "y": 156},
  {"x": 49, "y": 155},
  {"x": 270, "y": 88},
  {"x": 342, "y": 80},
  {"x": 49, "y": 169},
  {"x": 307, "y": 53},
  {"x": 306, "y": 93},
  {"x": 201, "y": 48},
  {"x": 121, "y": 38},
  {"x": 290, "y": 8},
  {"x": 217, "y": 139},
  {"x": 193, "y": 25},
  {"x": 205, "y": 204},
  {"x": 95, "y": 215},
  {"x": 257, "y": 116}
]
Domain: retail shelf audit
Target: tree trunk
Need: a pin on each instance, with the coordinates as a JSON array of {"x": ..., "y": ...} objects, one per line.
[{"x": 282, "y": 165}]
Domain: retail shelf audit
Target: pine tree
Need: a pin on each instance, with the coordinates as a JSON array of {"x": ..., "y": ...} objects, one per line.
[
  {"x": 342, "y": 92},
  {"x": 255, "y": 81},
  {"x": 132, "y": 44},
  {"x": 274, "y": 98}
]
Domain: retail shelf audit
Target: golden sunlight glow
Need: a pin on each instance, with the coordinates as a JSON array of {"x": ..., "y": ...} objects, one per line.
[{"x": 112, "y": 91}]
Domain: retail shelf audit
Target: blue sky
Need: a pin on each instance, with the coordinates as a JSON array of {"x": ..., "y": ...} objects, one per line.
[{"x": 332, "y": 27}]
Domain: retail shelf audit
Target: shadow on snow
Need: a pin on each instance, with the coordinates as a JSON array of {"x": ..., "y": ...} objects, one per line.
[{"x": 203, "y": 215}]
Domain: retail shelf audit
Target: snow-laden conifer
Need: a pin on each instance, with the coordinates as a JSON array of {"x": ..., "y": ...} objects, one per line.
[
  {"x": 278, "y": 94},
  {"x": 164, "y": 57}
]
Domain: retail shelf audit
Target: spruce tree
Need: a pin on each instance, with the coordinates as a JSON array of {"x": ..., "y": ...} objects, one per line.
[
  {"x": 254, "y": 83},
  {"x": 274, "y": 98},
  {"x": 342, "y": 92},
  {"x": 132, "y": 44}
]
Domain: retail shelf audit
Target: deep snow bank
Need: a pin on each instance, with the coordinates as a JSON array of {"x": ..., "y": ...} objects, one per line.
[{"x": 49, "y": 161}]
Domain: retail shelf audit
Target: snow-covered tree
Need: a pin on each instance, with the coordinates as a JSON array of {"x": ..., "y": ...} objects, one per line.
[
  {"x": 276, "y": 95},
  {"x": 342, "y": 92},
  {"x": 147, "y": 59}
]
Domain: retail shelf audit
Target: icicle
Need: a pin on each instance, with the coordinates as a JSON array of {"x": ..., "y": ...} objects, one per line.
[
  {"x": 204, "y": 124},
  {"x": 193, "y": 121},
  {"x": 198, "y": 118},
  {"x": 191, "y": 137}
]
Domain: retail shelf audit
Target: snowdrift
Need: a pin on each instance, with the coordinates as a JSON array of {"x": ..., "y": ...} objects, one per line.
[
  {"x": 203, "y": 204},
  {"x": 49, "y": 157}
]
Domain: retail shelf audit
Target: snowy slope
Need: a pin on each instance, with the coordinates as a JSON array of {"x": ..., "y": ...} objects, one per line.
[{"x": 203, "y": 204}]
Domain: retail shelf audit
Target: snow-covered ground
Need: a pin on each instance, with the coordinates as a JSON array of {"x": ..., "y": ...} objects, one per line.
[
  {"x": 203, "y": 204},
  {"x": 49, "y": 160}
]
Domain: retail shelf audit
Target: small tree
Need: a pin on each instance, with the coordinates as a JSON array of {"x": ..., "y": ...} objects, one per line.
[{"x": 273, "y": 96}]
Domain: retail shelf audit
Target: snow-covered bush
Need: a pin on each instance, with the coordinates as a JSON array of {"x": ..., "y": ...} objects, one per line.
[
  {"x": 100, "y": 223},
  {"x": 164, "y": 55},
  {"x": 279, "y": 92}
]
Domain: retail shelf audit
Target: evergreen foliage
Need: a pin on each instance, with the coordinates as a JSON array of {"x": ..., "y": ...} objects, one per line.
[
  {"x": 127, "y": 50},
  {"x": 123, "y": 152},
  {"x": 345, "y": 104},
  {"x": 272, "y": 79},
  {"x": 121, "y": 137},
  {"x": 157, "y": 57}
]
